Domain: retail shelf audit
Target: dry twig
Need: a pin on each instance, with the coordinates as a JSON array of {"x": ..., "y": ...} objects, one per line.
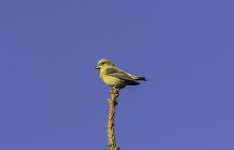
[{"x": 111, "y": 120}]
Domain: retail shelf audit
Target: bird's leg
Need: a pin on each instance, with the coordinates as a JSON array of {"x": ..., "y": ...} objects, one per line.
[
  {"x": 114, "y": 93},
  {"x": 115, "y": 90}
]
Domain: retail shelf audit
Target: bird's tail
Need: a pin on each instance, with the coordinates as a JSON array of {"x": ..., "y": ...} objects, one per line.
[
  {"x": 133, "y": 83},
  {"x": 137, "y": 77},
  {"x": 141, "y": 78}
]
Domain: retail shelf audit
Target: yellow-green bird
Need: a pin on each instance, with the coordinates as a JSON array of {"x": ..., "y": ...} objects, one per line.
[{"x": 115, "y": 77}]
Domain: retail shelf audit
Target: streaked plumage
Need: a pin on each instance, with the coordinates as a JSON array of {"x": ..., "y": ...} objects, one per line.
[{"x": 115, "y": 77}]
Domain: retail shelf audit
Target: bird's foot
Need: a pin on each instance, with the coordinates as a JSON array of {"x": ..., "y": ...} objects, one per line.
[
  {"x": 114, "y": 90},
  {"x": 114, "y": 93}
]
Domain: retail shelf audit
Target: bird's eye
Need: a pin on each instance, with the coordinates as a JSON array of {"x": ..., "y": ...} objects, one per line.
[{"x": 102, "y": 63}]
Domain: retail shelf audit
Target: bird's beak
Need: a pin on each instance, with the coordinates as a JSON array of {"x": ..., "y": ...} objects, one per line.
[{"x": 97, "y": 67}]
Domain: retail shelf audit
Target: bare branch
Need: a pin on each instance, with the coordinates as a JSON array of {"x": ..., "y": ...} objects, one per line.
[{"x": 111, "y": 120}]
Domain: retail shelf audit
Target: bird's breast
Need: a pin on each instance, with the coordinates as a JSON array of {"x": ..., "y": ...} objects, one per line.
[{"x": 111, "y": 81}]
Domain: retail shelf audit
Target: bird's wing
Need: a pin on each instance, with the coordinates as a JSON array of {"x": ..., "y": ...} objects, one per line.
[{"x": 115, "y": 72}]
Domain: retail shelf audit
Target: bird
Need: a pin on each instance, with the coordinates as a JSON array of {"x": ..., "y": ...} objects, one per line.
[{"x": 115, "y": 77}]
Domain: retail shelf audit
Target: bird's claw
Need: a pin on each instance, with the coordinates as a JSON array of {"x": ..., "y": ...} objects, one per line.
[{"x": 114, "y": 91}]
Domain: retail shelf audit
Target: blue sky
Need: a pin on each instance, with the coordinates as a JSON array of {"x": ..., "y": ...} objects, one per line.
[{"x": 52, "y": 97}]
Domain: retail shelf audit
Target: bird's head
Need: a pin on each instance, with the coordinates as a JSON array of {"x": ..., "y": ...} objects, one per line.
[{"x": 104, "y": 62}]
